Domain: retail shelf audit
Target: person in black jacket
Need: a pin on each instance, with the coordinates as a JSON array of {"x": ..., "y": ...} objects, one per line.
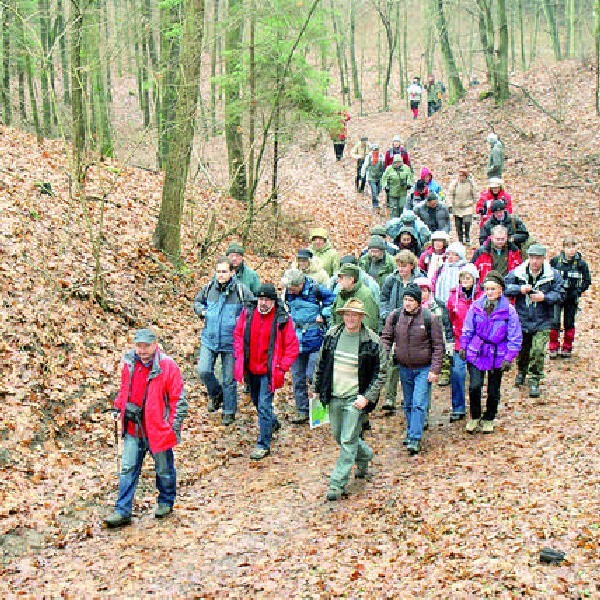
[
  {"x": 349, "y": 374},
  {"x": 576, "y": 280},
  {"x": 517, "y": 232}
]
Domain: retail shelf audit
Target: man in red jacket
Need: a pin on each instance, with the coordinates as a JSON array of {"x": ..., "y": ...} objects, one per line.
[
  {"x": 152, "y": 406},
  {"x": 265, "y": 346},
  {"x": 497, "y": 254}
]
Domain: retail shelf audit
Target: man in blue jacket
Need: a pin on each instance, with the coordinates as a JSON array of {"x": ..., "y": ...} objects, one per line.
[
  {"x": 219, "y": 304},
  {"x": 537, "y": 288},
  {"x": 310, "y": 305}
]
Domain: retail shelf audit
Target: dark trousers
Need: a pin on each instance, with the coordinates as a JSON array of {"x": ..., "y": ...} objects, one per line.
[
  {"x": 463, "y": 228},
  {"x": 338, "y": 148},
  {"x": 360, "y": 181},
  {"x": 476, "y": 378},
  {"x": 569, "y": 310}
]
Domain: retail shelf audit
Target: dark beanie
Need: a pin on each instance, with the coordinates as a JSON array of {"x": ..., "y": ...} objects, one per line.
[
  {"x": 414, "y": 291},
  {"x": 495, "y": 277},
  {"x": 497, "y": 205},
  {"x": 350, "y": 270},
  {"x": 267, "y": 290},
  {"x": 234, "y": 248},
  {"x": 349, "y": 259}
]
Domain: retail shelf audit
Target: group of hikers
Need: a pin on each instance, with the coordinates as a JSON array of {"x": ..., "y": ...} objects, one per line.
[{"x": 408, "y": 308}]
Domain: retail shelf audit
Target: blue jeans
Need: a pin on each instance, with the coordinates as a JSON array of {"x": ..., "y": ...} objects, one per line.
[
  {"x": 415, "y": 389},
  {"x": 132, "y": 457},
  {"x": 302, "y": 371},
  {"x": 206, "y": 371},
  {"x": 262, "y": 398},
  {"x": 346, "y": 424},
  {"x": 375, "y": 191},
  {"x": 458, "y": 375}
]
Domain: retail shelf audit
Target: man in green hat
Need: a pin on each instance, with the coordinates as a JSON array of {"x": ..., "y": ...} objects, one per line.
[
  {"x": 321, "y": 247},
  {"x": 349, "y": 374}
]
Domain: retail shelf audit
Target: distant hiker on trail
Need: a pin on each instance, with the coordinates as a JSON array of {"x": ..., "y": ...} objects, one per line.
[
  {"x": 359, "y": 153},
  {"x": 496, "y": 158},
  {"x": 537, "y": 289},
  {"x": 265, "y": 347},
  {"x": 490, "y": 340},
  {"x": 418, "y": 194},
  {"x": 152, "y": 406},
  {"x": 497, "y": 254},
  {"x": 348, "y": 378},
  {"x": 311, "y": 266},
  {"x": 517, "y": 232},
  {"x": 372, "y": 170},
  {"x": 243, "y": 273},
  {"x": 339, "y": 135},
  {"x": 435, "y": 92},
  {"x": 462, "y": 196},
  {"x": 432, "y": 185},
  {"x": 417, "y": 337},
  {"x": 219, "y": 303},
  {"x": 310, "y": 307},
  {"x": 396, "y": 180},
  {"x": 321, "y": 247},
  {"x": 415, "y": 92},
  {"x": 377, "y": 262},
  {"x": 576, "y": 280},
  {"x": 495, "y": 191},
  {"x": 434, "y": 213},
  {"x": 351, "y": 287},
  {"x": 397, "y": 149},
  {"x": 459, "y": 301}
]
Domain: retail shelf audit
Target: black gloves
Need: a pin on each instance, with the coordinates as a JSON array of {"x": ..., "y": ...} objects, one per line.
[
  {"x": 505, "y": 365},
  {"x": 462, "y": 354}
]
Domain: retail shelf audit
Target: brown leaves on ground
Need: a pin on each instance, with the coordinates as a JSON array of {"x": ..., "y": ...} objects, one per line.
[{"x": 465, "y": 518}]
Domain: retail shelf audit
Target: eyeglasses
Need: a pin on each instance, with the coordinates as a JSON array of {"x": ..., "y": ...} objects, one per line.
[
  {"x": 491, "y": 289},
  {"x": 222, "y": 272}
]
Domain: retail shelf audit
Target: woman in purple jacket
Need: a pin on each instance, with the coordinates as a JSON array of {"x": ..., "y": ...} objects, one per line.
[{"x": 491, "y": 339}]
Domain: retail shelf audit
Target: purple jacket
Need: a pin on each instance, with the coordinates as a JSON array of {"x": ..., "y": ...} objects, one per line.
[{"x": 489, "y": 340}]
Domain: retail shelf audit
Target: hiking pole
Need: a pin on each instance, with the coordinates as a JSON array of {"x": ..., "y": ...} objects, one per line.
[{"x": 115, "y": 414}]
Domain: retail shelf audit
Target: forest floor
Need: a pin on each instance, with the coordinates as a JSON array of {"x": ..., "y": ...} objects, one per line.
[{"x": 465, "y": 518}]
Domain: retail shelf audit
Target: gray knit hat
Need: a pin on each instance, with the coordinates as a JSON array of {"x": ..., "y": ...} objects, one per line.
[
  {"x": 376, "y": 242},
  {"x": 536, "y": 250}
]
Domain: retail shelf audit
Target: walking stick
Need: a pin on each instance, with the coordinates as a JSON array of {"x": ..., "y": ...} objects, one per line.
[{"x": 115, "y": 414}]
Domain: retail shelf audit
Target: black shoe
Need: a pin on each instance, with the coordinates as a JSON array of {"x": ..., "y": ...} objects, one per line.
[
  {"x": 227, "y": 419},
  {"x": 214, "y": 404},
  {"x": 116, "y": 520},
  {"x": 534, "y": 390},
  {"x": 519, "y": 379},
  {"x": 366, "y": 426},
  {"x": 276, "y": 427},
  {"x": 551, "y": 556},
  {"x": 413, "y": 447},
  {"x": 300, "y": 419}
]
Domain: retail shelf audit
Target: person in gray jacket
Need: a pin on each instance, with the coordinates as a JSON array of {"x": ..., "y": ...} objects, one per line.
[
  {"x": 434, "y": 214},
  {"x": 496, "y": 157}
]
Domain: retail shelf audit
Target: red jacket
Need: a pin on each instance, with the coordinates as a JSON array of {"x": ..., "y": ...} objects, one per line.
[
  {"x": 458, "y": 305},
  {"x": 283, "y": 346},
  {"x": 425, "y": 257},
  {"x": 484, "y": 204},
  {"x": 482, "y": 259},
  {"x": 166, "y": 406},
  {"x": 388, "y": 159}
]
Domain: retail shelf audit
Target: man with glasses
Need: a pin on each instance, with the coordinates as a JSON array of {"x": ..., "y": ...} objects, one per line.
[{"x": 219, "y": 304}]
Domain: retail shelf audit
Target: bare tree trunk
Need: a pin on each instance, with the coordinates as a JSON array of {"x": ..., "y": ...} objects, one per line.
[
  {"x": 338, "y": 51},
  {"x": 456, "y": 91},
  {"x": 77, "y": 106},
  {"x": 6, "y": 104},
  {"x": 552, "y": 27},
  {"x": 521, "y": 34},
  {"x": 385, "y": 17},
  {"x": 486, "y": 34},
  {"x": 354, "y": 66},
  {"x": 167, "y": 236},
  {"x": 62, "y": 48},
  {"x": 501, "y": 89},
  {"x": 534, "y": 37},
  {"x": 251, "y": 119},
  {"x": 597, "y": 44},
  {"x": 44, "y": 18},
  {"x": 233, "y": 99},
  {"x": 213, "y": 69}
]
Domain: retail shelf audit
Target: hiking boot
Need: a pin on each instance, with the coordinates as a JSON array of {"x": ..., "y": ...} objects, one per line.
[
  {"x": 426, "y": 424},
  {"x": 116, "y": 520},
  {"x": 444, "y": 380},
  {"x": 413, "y": 447},
  {"x": 472, "y": 425},
  {"x": 162, "y": 510},
  {"x": 487, "y": 426},
  {"x": 553, "y": 354},
  {"x": 362, "y": 472},
  {"x": 406, "y": 440},
  {"x": 366, "y": 426},
  {"x": 300, "y": 419},
  {"x": 227, "y": 419},
  {"x": 566, "y": 353},
  {"x": 259, "y": 453},
  {"x": 276, "y": 427},
  {"x": 519, "y": 379},
  {"x": 334, "y": 495},
  {"x": 456, "y": 416},
  {"x": 214, "y": 404},
  {"x": 390, "y": 409},
  {"x": 534, "y": 390}
]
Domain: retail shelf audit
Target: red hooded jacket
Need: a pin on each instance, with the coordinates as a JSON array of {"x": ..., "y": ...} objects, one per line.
[{"x": 166, "y": 405}]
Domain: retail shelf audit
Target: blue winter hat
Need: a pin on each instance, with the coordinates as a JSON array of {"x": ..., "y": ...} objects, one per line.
[{"x": 144, "y": 336}]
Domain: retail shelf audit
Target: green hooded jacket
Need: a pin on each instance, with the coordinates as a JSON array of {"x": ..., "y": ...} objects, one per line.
[
  {"x": 329, "y": 258},
  {"x": 362, "y": 292}
]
